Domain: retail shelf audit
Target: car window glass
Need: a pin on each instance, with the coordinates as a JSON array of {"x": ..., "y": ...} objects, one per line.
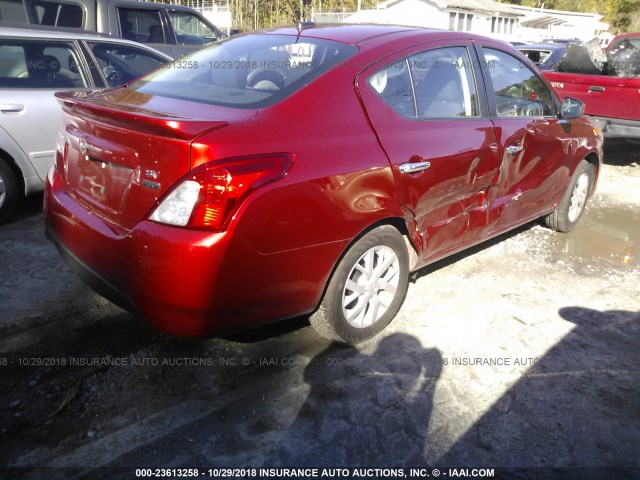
[
  {"x": 13, "y": 11},
  {"x": 123, "y": 63},
  {"x": 444, "y": 84},
  {"x": 537, "y": 56},
  {"x": 246, "y": 71},
  {"x": 393, "y": 85},
  {"x": 35, "y": 64},
  {"x": 634, "y": 41},
  {"x": 518, "y": 90},
  {"x": 191, "y": 30},
  {"x": 60, "y": 14},
  {"x": 142, "y": 26}
]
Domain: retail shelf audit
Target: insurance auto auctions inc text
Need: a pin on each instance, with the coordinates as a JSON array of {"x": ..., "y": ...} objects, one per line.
[{"x": 362, "y": 473}]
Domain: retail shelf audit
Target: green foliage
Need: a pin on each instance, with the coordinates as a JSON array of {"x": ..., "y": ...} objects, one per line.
[
  {"x": 255, "y": 14},
  {"x": 621, "y": 15}
]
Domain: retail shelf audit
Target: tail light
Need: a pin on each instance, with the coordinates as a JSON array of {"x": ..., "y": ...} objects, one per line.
[{"x": 208, "y": 196}]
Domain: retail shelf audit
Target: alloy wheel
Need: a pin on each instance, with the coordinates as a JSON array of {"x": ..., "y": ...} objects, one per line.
[
  {"x": 371, "y": 286},
  {"x": 578, "y": 197}
]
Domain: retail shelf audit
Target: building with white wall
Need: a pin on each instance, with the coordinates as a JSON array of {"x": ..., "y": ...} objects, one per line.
[{"x": 486, "y": 17}]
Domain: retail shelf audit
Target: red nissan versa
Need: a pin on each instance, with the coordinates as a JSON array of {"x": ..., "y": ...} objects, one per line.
[{"x": 306, "y": 172}]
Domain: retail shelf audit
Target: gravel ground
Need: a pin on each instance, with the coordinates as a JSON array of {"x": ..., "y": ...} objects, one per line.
[{"x": 523, "y": 353}]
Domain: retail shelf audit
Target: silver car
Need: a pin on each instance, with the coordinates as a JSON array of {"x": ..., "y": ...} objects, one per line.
[{"x": 33, "y": 65}]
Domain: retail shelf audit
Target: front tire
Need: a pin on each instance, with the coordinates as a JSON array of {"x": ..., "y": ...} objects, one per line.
[
  {"x": 9, "y": 191},
  {"x": 565, "y": 217},
  {"x": 367, "y": 288}
]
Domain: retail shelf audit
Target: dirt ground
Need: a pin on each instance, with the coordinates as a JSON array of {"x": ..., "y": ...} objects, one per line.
[{"x": 521, "y": 355}]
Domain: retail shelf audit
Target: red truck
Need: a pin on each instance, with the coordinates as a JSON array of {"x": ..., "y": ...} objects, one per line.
[{"x": 612, "y": 102}]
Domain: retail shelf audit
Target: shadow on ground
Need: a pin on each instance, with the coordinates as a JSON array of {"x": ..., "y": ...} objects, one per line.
[{"x": 591, "y": 405}]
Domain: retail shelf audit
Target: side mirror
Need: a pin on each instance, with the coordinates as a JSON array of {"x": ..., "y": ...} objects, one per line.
[{"x": 571, "y": 108}]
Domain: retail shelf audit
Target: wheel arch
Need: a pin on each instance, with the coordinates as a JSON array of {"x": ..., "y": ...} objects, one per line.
[
  {"x": 15, "y": 168},
  {"x": 398, "y": 223},
  {"x": 594, "y": 160}
]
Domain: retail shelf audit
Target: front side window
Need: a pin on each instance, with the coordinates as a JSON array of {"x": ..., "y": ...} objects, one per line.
[
  {"x": 433, "y": 84},
  {"x": 519, "y": 92},
  {"x": 42, "y": 65},
  {"x": 191, "y": 30},
  {"x": 123, "y": 63},
  {"x": 247, "y": 72}
]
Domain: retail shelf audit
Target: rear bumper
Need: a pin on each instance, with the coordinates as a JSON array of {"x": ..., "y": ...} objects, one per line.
[
  {"x": 184, "y": 282},
  {"x": 165, "y": 274},
  {"x": 616, "y": 127},
  {"x": 90, "y": 277}
]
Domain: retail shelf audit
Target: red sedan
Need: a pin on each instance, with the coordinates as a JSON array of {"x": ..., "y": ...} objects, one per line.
[{"x": 307, "y": 171}]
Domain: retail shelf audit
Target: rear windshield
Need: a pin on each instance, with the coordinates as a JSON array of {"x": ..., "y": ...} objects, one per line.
[{"x": 252, "y": 71}]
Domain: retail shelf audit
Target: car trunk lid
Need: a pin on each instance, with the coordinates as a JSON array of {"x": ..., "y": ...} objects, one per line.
[{"x": 123, "y": 150}]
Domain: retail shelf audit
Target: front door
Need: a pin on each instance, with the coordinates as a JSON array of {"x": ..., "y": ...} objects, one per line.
[{"x": 534, "y": 147}]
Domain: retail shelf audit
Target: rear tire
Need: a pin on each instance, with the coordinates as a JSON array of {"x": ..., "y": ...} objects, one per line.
[
  {"x": 9, "y": 191},
  {"x": 565, "y": 217},
  {"x": 367, "y": 288}
]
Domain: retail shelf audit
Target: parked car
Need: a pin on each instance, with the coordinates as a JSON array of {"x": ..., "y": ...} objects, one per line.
[
  {"x": 210, "y": 203},
  {"x": 633, "y": 38},
  {"x": 172, "y": 29},
  {"x": 612, "y": 100},
  {"x": 544, "y": 55},
  {"x": 574, "y": 40},
  {"x": 34, "y": 64}
]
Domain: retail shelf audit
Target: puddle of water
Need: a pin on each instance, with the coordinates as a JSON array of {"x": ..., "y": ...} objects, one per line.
[{"x": 606, "y": 233}]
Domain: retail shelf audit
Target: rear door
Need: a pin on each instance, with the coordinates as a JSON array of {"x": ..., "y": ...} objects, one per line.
[
  {"x": 534, "y": 144},
  {"x": 429, "y": 112},
  {"x": 31, "y": 71}
]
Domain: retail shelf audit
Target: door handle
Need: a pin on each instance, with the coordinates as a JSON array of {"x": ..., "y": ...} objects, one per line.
[
  {"x": 595, "y": 89},
  {"x": 513, "y": 149},
  {"x": 11, "y": 107},
  {"x": 414, "y": 167}
]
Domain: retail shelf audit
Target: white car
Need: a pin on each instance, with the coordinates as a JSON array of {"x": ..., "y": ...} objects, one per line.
[{"x": 33, "y": 65}]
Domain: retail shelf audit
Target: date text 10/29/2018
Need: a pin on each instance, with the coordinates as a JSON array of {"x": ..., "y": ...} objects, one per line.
[{"x": 315, "y": 472}]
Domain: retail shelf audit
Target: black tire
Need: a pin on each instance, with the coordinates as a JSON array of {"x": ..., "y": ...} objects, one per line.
[
  {"x": 371, "y": 310},
  {"x": 565, "y": 217},
  {"x": 9, "y": 191}
]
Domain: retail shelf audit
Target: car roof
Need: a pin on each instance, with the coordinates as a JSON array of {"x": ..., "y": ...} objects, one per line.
[
  {"x": 627, "y": 35},
  {"x": 49, "y": 34},
  {"x": 349, "y": 33}
]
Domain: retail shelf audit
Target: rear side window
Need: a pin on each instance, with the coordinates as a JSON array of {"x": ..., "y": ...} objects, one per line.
[
  {"x": 433, "y": 84},
  {"x": 13, "y": 11},
  {"x": 42, "y": 65},
  {"x": 123, "y": 63},
  {"x": 59, "y": 14},
  {"x": 247, "y": 71},
  {"x": 143, "y": 26},
  {"x": 393, "y": 84},
  {"x": 519, "y": 92}
]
